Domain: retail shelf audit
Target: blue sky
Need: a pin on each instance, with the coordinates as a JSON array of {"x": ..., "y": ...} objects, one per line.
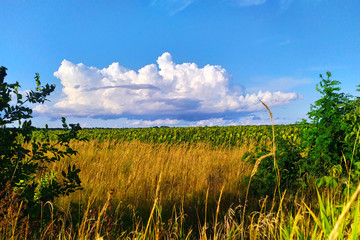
[{"x": 179, "y": 62}]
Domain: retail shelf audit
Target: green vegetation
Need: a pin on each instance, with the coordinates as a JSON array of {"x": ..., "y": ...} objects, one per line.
[
  {"x": 216, "y": 136},
  {"x": 326, "y": 148},
  {"x": 25, "y": 178},
  {"x": 331, "y": 144}
]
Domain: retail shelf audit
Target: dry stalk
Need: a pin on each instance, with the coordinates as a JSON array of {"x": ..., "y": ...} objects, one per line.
[
  {"x": 335, "y": 232},
  {"x": 217, "y": 212},
  {"x": 257, "y": 163},
  {"x": 253, "y": 172},
  {"x": 154, "y": 206},
  {"x": 274, "y": 144},
  {"x": 203, "y": 230},
  {"x": 106, "y": 205}
]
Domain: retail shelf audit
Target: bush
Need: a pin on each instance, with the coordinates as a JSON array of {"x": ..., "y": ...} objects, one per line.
[
  {"x": 325, "y": 142},
  {"x": 24, "y": 160},
  {"x": 288, "y": 160},
  {"x": 328, "y": 147},
  {"x": 330, "y": 144}
]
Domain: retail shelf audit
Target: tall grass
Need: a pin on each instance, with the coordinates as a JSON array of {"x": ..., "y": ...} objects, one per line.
[
  {"x": 190, "y": 174},
  {"x": 132, "y": 170},
  {"x": 137, "y": 190}
]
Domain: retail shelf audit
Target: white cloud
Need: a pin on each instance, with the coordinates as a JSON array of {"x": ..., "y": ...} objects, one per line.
[
  {"x": 163, "y": 91},
  {"x": 157, "y": 122},
  {"x": 258, "y": 119}
]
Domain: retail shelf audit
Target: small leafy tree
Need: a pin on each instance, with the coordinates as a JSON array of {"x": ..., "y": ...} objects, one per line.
[
  {"x": 23, "y": 159},
  {"x": 324, "y": 140},
  {"x": 328, "y": 147},
  {"x": 330, "y": 140}
]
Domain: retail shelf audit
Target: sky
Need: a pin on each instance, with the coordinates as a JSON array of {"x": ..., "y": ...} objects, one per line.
[{"x": 137, "y": 63}]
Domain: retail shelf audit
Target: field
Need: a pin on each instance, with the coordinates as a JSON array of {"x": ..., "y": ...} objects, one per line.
[
  {"x": 132, "y": 171},
  {"x": 215, "y": 136},
  {"x": 138, "y": 187}
]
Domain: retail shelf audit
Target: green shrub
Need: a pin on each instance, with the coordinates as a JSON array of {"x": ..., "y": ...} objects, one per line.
[
  {"x": 24, "y": 160},
  {"x": 289, "y": 161},
  {"x": 325, "y": 142},
  {"x": 327, "y": 147}
]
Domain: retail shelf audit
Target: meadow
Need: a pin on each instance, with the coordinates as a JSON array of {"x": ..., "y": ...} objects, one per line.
[
  {"x": 239, "y": 182},
  {"x": 135, "y": 189}
]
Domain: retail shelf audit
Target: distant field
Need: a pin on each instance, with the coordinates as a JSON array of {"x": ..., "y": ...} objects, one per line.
[{"x": 215, "y": 136}]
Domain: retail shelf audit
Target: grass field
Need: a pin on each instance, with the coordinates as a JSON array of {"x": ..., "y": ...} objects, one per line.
[
  {"x": 132, "y": 171},
  {"x": 136, "y": 190}
]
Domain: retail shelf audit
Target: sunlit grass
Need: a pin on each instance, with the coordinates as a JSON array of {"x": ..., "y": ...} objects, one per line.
[
  {"x": 132, "y": 170},
  {"x": 136, "y": 190}
]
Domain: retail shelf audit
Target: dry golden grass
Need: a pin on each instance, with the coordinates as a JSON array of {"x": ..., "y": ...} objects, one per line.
[
  {"x": 161, "y": 178},
  {"x": 132, "y": 170}
]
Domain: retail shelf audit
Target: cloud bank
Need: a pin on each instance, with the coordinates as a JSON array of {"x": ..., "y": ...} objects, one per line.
[{"x": 165, "y": 90}]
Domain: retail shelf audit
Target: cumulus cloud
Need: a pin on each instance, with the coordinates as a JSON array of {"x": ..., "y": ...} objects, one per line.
[
  {"x": 216, "y": 122},
  {"x": 157, "y": 122},
  {"x": 257, "y": 119},
  {"x": 165, "y": 90}
]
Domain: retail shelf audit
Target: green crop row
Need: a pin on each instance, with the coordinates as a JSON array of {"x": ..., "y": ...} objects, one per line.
[{"x": 216, "y": 136}]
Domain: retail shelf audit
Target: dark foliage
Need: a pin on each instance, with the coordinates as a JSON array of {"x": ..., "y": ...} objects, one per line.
[{"x": 24, "y": 160}]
